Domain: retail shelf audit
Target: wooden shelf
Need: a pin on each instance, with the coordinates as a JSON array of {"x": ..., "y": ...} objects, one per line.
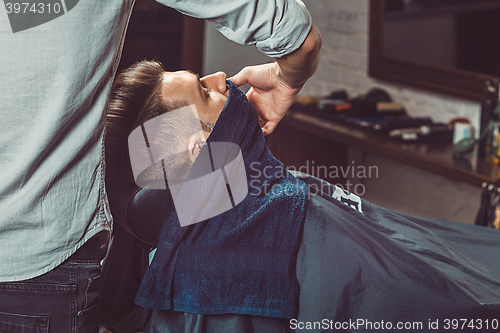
[{"x": 433, "y": 157}]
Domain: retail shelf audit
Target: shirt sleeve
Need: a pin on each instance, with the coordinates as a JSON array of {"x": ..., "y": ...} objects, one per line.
[{"x": 275, "y": 27}]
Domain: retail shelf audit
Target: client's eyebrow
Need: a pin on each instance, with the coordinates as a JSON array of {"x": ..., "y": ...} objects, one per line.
[{"x": 200, "y": 88}]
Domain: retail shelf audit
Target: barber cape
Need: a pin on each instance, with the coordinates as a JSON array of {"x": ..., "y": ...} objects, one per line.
[
  {"x": 364, "y": 268},
  {"x": 242, "y": 260}
]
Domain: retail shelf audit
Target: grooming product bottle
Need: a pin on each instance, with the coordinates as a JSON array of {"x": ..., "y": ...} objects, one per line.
[
  {"x": 493, "y": 140},
  {"x": 487, "y": 107}
]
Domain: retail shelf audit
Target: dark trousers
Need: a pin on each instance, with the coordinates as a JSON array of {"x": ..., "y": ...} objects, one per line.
[{"x": 64, "y": 300}]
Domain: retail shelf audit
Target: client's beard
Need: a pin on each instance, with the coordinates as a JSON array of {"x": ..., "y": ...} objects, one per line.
[
  {"x": 174, "y": 168},
  {"x": 169, "y": 137}
]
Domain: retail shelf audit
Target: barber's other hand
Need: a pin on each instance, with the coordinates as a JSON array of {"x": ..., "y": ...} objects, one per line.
[{"x": 270, "y": 95}]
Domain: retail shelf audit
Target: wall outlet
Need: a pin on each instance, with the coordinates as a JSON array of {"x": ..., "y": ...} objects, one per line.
[{"x": 342, "y": 21}]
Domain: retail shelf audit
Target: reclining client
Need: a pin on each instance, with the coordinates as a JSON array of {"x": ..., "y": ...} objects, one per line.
[{"x": 282, "y": 256}]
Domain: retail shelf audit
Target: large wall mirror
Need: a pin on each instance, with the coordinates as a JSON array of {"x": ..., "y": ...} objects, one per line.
[{"x": 446, "y": 46}]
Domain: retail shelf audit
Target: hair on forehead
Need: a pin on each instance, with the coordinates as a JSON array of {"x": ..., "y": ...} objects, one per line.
[{"x": 134, "y": 98}]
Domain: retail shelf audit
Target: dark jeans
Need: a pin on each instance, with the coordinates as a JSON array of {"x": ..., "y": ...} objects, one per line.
[{"x": 64, "y": 300}]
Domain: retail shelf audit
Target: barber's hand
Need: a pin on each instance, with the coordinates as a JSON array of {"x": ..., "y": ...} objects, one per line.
[
  {"x": 274, "y": 86},
  {"x": 270, "y": 95}
]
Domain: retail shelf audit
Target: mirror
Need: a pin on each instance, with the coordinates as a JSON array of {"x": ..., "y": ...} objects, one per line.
[{"x": 446, "y": 46}]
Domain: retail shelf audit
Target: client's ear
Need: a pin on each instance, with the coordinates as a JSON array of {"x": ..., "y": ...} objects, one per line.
[{"x": 195, "y": 143}]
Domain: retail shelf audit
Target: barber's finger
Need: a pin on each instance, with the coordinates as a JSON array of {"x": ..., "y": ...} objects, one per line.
[
  {"x": 250, "y": 96},
  {"x": 262, "y": 122},
  {"x": 269, "y": 128},
  {"x": 242, "y": 77}
]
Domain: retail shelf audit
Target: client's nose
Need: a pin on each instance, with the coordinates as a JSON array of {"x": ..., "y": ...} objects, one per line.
[{"x": 215, "y": 81}]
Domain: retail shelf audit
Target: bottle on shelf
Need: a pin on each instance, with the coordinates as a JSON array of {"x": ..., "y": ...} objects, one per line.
[
  {"x": 487, "y": 107},
  {"x": 493, "y": 140}
]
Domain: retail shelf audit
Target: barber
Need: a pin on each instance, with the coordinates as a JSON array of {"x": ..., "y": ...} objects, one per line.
[{"x": 55, "y": 74}]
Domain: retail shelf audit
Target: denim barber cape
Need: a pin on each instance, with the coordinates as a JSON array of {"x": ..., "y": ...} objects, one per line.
[{"x": 243, "y": 260}]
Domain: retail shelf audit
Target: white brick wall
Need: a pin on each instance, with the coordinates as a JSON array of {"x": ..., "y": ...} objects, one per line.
[{"x": 344, "y": 64}]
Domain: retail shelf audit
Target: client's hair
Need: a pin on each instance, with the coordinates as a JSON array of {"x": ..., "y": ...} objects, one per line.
[{"x": 135, "y": 98}]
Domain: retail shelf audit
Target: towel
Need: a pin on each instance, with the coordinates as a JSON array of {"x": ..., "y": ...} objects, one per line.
[{"x": 242, "y": 260}]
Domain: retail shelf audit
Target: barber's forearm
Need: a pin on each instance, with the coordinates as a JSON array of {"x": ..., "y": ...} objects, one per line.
[{"x": 300, "y": 65}]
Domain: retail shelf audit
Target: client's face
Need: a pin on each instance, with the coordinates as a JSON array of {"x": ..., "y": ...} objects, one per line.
[{"x": 208, "y": 94}]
